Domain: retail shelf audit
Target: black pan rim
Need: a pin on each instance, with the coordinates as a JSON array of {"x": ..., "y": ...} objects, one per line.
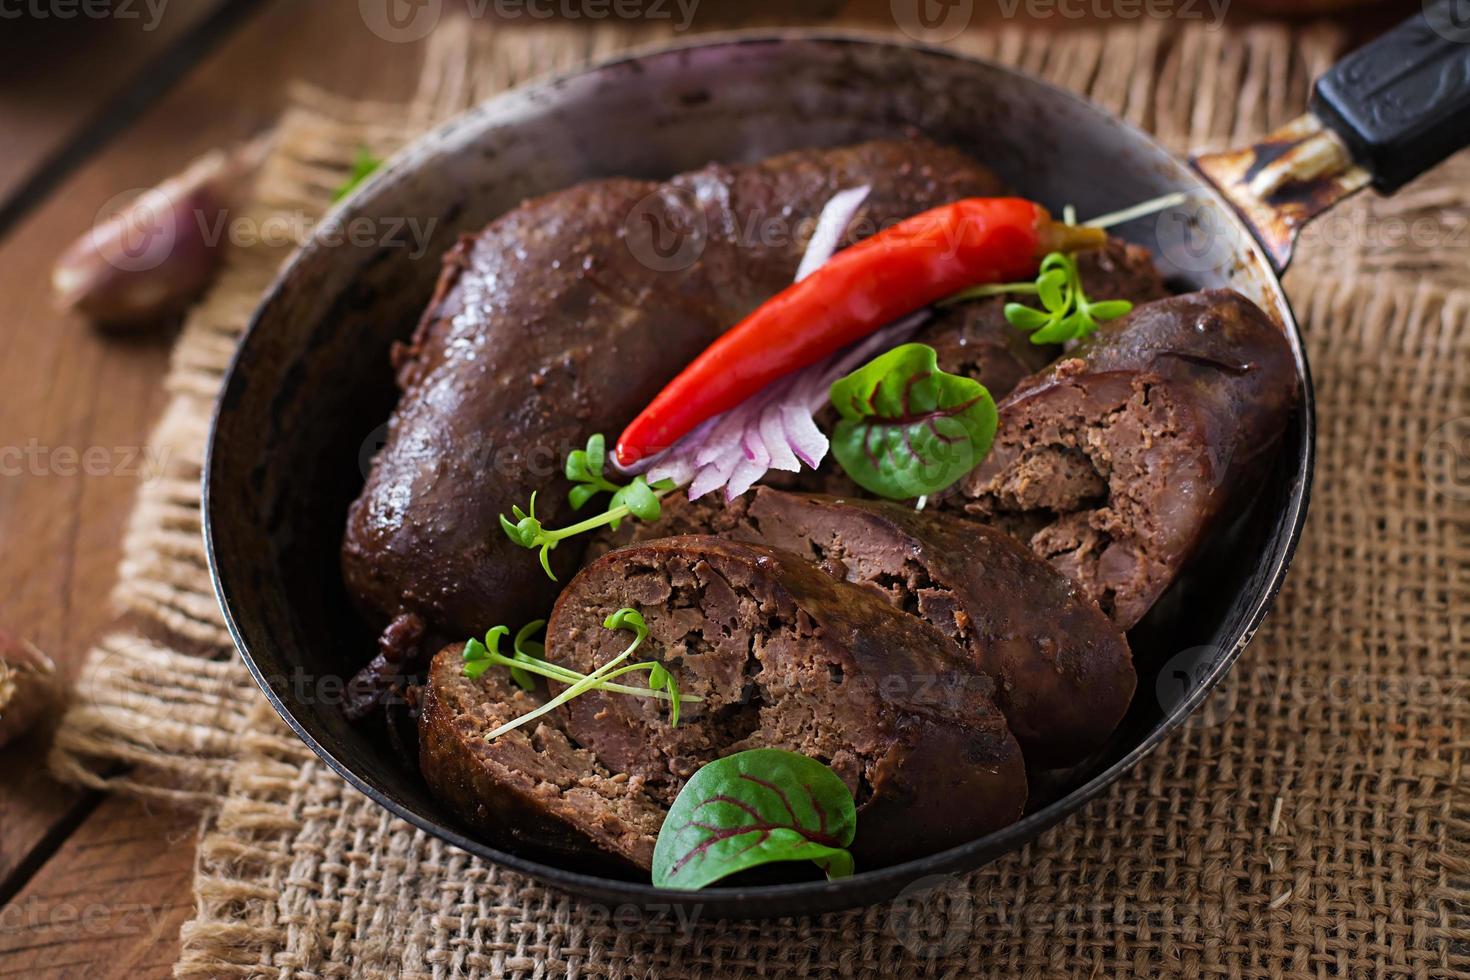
[{"x": 866, "y": 887}]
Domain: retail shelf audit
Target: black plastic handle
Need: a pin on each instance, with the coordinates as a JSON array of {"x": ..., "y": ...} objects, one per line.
[{"x": 1402, "y": 102}]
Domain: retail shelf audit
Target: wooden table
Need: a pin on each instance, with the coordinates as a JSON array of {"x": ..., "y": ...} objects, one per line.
[{"x": 91, "y": 885}]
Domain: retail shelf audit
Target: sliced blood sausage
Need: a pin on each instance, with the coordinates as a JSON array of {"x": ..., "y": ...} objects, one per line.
[
  {"x": 1063, "y": 671},
  {"x": 531, "y": 787},
  {"x": 786, "y": 656},
  {"x": 1118, "y": 460}
]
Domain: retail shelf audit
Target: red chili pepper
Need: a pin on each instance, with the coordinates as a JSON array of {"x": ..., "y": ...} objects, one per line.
[{"x": 905, "y": 268}]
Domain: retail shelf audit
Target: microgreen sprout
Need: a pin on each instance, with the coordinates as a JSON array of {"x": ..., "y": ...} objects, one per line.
[
  {"x": 1066, "y": 313},
  {"x": 364, "y": 164},
  {"x": 585, "y": 468},
  {"x": 525, "y": 662}
]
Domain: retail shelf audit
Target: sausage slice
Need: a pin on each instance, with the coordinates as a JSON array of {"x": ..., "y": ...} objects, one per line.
[
  {"x": 1116, "y": 462},
  {"x": 531, "y": 787},
  {"x": 786, "y": 656},
  {"x": 1063, "y": 671}
]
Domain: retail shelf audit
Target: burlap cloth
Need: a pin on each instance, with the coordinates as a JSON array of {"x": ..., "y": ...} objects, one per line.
[{"x": 1314, "y": 822}]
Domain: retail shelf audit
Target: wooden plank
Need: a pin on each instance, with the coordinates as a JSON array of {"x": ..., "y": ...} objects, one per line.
[
  {"x": 61, "y": 67},
  {"x": 69, "y": 389},
  {"x": 110, "y": 902}
]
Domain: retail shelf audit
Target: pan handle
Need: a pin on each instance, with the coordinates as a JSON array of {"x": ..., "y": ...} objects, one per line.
[
  {"x": 1380, "y": 117},
  {"x": 1402, "y": 102}
]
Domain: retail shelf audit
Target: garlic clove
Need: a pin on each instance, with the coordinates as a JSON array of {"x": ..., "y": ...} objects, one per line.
[{"x": 151, "y": 257}]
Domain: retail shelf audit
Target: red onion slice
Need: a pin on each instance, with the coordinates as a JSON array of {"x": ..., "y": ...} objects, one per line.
[
  {"x": 831, "y": 225},
  {"x": 776, "y": 428}
]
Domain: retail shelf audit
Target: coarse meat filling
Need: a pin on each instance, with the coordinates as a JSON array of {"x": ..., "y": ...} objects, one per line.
[
  {"x": 532, "y": 785},
  {"x": 745, "y": 650},
  {"x": 784, "y": 655},
  {"x": 1063, "y": 673},
  {"x": 1117, "y": 461}
]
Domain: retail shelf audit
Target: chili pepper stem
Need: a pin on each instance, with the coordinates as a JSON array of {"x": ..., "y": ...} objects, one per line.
[{"x": 1054, "y": 236}]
